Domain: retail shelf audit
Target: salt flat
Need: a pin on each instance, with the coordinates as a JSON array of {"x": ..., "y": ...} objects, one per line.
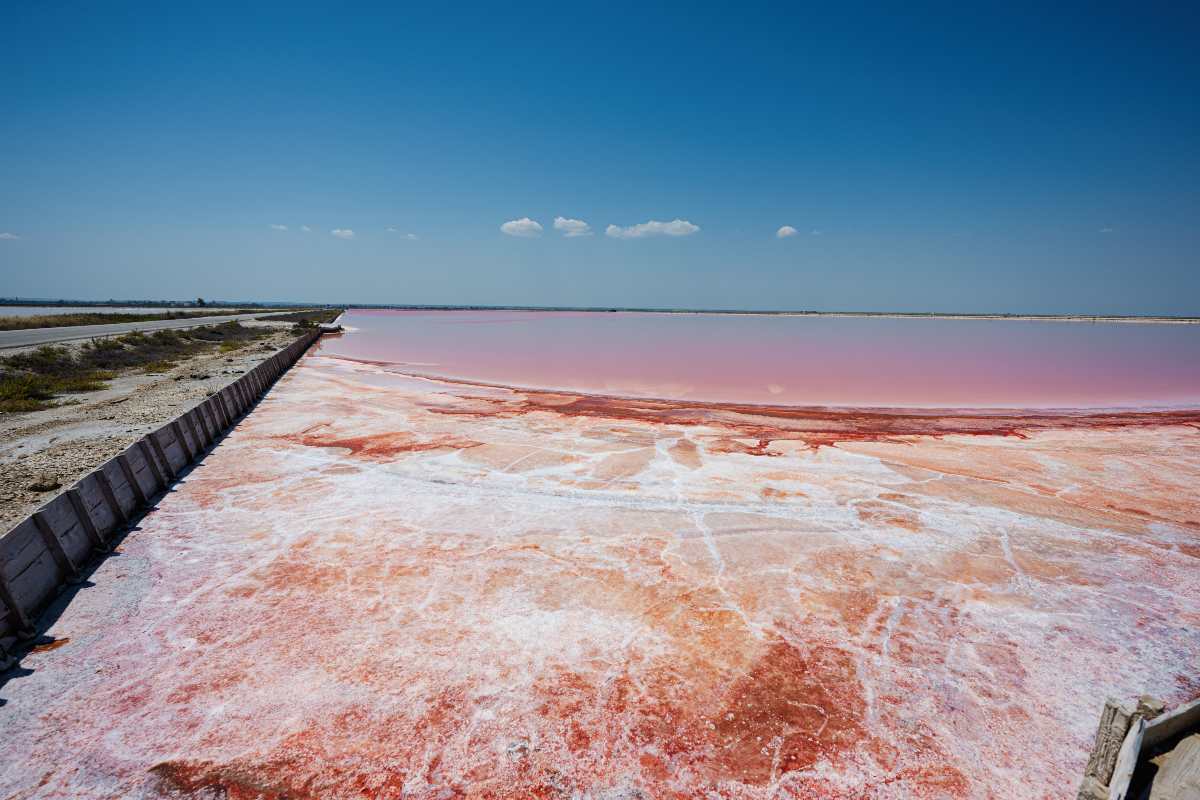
[{"x": 382, "y": 585}]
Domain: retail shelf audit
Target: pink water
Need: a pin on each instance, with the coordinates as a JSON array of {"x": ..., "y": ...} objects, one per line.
[{"x": 783, "y": 360}]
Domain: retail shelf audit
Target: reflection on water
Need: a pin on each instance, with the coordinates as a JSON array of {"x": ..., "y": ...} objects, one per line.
[{"x": 784, "y": 360}]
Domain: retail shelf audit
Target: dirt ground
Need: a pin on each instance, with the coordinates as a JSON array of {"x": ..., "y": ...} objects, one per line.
[{"x": 44, "y": 452}]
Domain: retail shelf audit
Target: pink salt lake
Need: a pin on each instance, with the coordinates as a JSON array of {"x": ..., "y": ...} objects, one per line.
[
  {"x": 791, "y": 360},
  {"x": 498, "y": 555}
]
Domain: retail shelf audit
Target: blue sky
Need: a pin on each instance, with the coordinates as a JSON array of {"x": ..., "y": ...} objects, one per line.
[{"x": 929, "y": 157}]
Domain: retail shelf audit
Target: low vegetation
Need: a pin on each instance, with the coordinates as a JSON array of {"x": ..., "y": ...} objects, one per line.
[
  {"x": 30, "y": 381},
  {"x": 308, "y": 319},
  {"x": 11, "y": 323}
]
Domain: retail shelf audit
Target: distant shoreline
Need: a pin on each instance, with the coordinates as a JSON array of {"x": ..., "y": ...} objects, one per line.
[
  {"x": 1162, "y": 320},
  {"x": 217, "y": 305}
]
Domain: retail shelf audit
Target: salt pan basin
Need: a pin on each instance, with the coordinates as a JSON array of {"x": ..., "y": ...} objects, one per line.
[{"x": 382, "y": 585}]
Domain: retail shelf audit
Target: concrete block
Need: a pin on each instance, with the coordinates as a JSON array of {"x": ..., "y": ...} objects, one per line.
[
  {"x": 192, "y": 433},
  {"x": 235, "y": 401},
  {"x": 198, "y": 428},
  {"x": 126, "y": 497},
  {"x": 1173, "y": 723},
  {"x": 110, "y": 498},
  {"x": 1110, "y": 735},
  {"x": 230, "y": 395},
  {"x": 155, "y": 462},
  {"x": 206, "y": 412},
  {"x": 99, "y": 543},
  {"x": 28, "y": 572},
  {"x": 232, "y": 402},
  {"x": 220, "y": 414},
  {"x": 145, "y": 475},
  {"x": 1127, "y": 758},
  {"x": 194, "y": 423},
  {"x": 169, "y": 449},
  {"x": 223, "y": 411},
  {"x": 215, "y": 416},
  {"x": 188, "y": 446},
  {"x": 67, "y": 528},
  {"x": 65, "y": 569},
  {"x": 92, "y": 497},
  {"x": 15, "y": 624}
]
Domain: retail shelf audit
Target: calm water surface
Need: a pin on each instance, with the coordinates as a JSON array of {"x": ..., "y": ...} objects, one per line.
[{"x": 844, "y": 361}]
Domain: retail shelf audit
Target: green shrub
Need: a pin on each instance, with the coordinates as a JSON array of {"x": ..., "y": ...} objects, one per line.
[
  {"x": 24, "y": 392},
  {"x": 29, "y": 381}
]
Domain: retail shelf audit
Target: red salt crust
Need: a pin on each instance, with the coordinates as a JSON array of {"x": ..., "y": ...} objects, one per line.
[
  {"x": 814, "y": 426},
  {"x": 437, "y": 590}
]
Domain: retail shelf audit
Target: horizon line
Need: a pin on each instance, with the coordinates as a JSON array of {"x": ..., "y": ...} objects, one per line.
[{"x": 1068, "y": 316}]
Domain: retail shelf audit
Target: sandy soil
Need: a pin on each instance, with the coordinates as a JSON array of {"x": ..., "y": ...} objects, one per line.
[{"x": 60, "y": 445}]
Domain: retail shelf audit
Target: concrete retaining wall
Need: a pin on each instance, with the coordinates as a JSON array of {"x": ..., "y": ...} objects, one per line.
[{"x": 51, "y": 548}]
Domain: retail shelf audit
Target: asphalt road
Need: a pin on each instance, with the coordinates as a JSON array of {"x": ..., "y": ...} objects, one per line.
[{"x": 74, "y": 333}]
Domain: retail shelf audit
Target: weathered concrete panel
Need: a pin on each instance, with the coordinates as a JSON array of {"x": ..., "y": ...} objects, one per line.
[
  {"x": 1172, "y": 723},
  {"x": 30, "y": 572},
  {"x": 68, "y": 529},
  {"x": 96, "y": 506},
  {"x": 125, "y": 495},
  {"x": 19, "y": 548},
  {"x": 222, "y": 402},
  {"x": 144, "y": 473},
  {"x": 191, "y": 446},
  {"x": 229, "y": 396},
  {"x": 213, "y": 416},
  {"x": 170, "y": 447},
  {"x": 198, "y": 427}
]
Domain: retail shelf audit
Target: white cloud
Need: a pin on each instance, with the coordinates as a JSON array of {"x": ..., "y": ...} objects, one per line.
[
  {"x": 1106, "y": 230},
  {"x": 392, "y": 230},
  {"x": 9, "y": 236},
  {"x": 306, "y": 229},
  {"x": 572, "y": 227},
  {"x": 815, "y": 232},
  {"x": 279, "y": 227},
  {"x": 678, "y": 227},
  {"x": 343, "y": 233},
  {"x": 786, "y": 231},
  {"x": 524, "y": 227},
  {"x": 412, "y": 237}
]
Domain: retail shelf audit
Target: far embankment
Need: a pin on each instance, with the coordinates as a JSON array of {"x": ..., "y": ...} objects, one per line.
[
  {"x": 75, "y": 317},
  {"x": 20, "y": 336}
]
